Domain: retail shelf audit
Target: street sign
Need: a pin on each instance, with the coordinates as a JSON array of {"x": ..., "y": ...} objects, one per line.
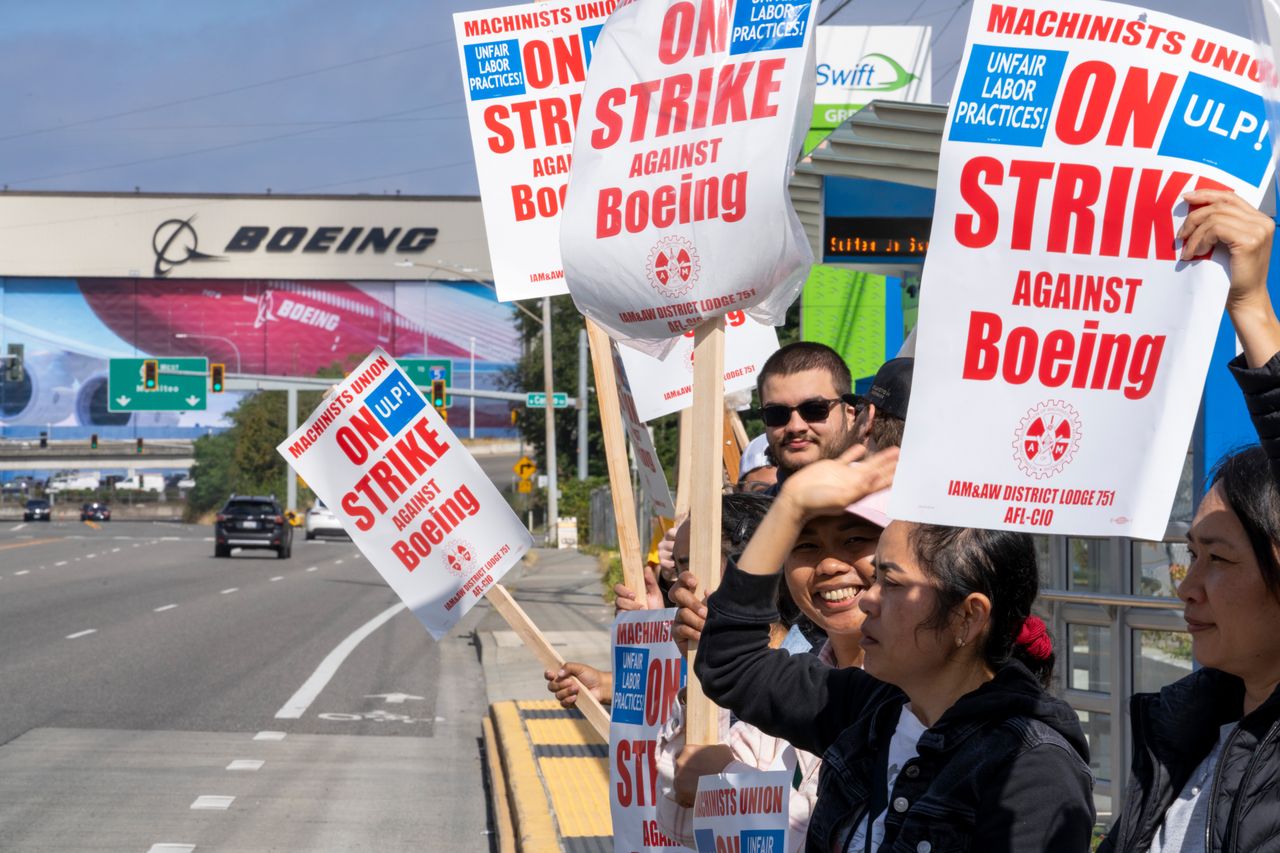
[
  {"x": 538, "y": 400},
  {"x": 422, "y": 370},
  {"x": 524, "y": 487},
  {"x": 525, "y": 467},
  {"x": 182, "y": 385}
]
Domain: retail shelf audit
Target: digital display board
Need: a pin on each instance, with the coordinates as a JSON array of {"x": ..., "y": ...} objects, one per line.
[{"x": 876, "y": 237}]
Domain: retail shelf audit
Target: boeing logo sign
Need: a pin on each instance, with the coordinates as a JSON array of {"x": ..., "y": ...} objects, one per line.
[{"x": 175, "y": 242}]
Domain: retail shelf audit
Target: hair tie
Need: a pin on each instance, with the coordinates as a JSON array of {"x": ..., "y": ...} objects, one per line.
[{"x": 1034, "y": 637}]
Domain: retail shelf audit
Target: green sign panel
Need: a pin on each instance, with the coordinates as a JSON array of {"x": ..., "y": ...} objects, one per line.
[
  {"x": 538, "y": 400},
  {"x": 182, "y": 385},
  {"x": 423, "y": 370}
]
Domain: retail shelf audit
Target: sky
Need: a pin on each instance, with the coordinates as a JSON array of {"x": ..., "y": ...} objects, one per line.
[{"x": 293, "y": 96}]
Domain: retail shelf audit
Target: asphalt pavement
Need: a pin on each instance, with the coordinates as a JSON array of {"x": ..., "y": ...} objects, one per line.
[{"x": 151, "y": 694}]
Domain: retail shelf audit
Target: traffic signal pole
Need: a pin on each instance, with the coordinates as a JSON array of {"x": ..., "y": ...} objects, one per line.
[{"x": 553, "y": 499}]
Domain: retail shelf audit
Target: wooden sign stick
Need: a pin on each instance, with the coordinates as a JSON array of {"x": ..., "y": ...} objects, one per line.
[
  {"x": 615, "y": 451},
  {"x": 683, "y": 461},
  {"x": 704, "y": 506},
  {"x": 529, "y": 634},
  {"x": 731, "y": 451},
  {"x": 739, "y": 431}
]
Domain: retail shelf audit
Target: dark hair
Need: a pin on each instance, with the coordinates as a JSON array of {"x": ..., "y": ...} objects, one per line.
[
  {"x": 806, "y": 355},
  {"x": 740, "y": 515},
  {"x": 1249, "y": 488},
  {"x": 886, "y": 430},
  {"x": 1001, "y": 565}
]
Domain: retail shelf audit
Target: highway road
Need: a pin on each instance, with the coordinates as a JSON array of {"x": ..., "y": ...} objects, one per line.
[{"x": 151, "y": 694}]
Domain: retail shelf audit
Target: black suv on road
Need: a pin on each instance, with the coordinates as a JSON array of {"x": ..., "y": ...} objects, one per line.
[
  {"x": 252, "y": 522},
  {"x": 37, "y": 510}
]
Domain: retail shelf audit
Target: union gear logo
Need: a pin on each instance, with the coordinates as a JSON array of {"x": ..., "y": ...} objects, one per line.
[
  {"x": 460, "y": 556},
  {"x": 1047, "y": 439},
  {"x": 673, "y": 266}
]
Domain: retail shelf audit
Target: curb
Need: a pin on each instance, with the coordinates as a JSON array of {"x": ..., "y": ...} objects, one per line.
[
  {"x": 503, "y": 828},
  {"x": 533, "y": 830}
]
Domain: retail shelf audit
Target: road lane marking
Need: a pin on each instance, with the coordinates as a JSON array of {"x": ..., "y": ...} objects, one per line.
[
  {"x": 277, "y": 578},
  {"x": 23, "y": 572},
  {"x": 19, "y": 526},
  {"x": 170, "y": 847},
  {"x": 246, "y": 764},
  {"x": 163, "y": 609},
  {"x": 115, "y": 550},
  {"x": 230, "y": 590},
  {"x": 93, "y": 524},
  {"x": 311, "y": 568},
  {"x": 78, "y": 634},
  {"x": 337, "y": 562},
  {"x": 25, "y": 544},
  {"x": 60, "y": 563},
  {"x": 269, "y": 736},
  {"x": 90, "y": 556},
  {"x": 213, "y": 801},
  {"x": 310, "y": 689}
]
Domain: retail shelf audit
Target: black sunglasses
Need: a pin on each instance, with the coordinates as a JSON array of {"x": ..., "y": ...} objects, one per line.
[{"x": 812, "y": 411}]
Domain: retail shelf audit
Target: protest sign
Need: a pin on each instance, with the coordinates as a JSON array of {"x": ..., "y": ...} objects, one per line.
[
  {"x": 415, "y": 503},
  {"x": 677, "y": 209},
  {"x": 652, "y": 477},
  {"x": 1060, "y": 337},
  {"x": 648, "y": 673},
  {"x": 742, "y": 812},
  {"x": 856, "y": 65},
  {"x": 665, "y": 385},
  {"x": 523, "y": 69}
]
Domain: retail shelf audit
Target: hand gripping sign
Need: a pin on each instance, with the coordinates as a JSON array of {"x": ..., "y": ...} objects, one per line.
[
  {"x": 522, "y": 71},
  {"x": 742, "y": 812},
  {"x": 677, "y": 209},
  {"x": 648, "y": 673},
  {"x": 416, "y": 504},
  {"x": 1063, "y": 345}
]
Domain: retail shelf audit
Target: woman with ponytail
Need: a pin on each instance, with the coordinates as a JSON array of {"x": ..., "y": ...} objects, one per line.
[{"x": 946, "y": 740}]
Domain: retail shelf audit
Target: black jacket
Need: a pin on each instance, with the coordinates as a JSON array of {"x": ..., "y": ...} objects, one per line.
[
  {"x": 1173, "y": 731},
  {"x": 1261, "y": 387},
  {"x": 1005, "y": 769}
]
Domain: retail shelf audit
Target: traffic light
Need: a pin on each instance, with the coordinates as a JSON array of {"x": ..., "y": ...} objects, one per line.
[
  {"x": 217, "y": 372},
  {"x": 93, "y": 441},
  {"x": 139, "y": 444},
  {"x": 150, "y": 375},
  {"x": 515, "y": 417},
  {"x": 438, "y": 398},
  {"x": 13, "y": 371}
]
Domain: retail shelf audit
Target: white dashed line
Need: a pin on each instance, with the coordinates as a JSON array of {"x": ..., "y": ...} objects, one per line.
[
  {"x": 61, "y": 563},
  {"x": 337, "y": 562},
  {"x": 246, "y": 764},
  {"x": 311, "y": 568},
  {"x": 230, "y": 590},
  {"x": 269, "y": 736},
  {"x": 19, "y": 526},
  {"x": 90, "y": 556},
  {"x": 277, "y": 578},
  {"x": 163, "y": 609},
  {"x": 115, "y": 550},
  {"x": 170, "y": 847},
  {"x": 78, "y": 634},
  {"x": 23, "y": 572},
  {"x": 310, "y": 689},
  {"x": 213, "y": 801}
]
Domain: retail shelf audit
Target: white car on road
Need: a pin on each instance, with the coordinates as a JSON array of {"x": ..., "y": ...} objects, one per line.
[{"x": 320, "y": 521}]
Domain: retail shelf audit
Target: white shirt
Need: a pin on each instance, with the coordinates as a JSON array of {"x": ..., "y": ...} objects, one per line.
[
  {"x": 902, "y": 748},
  {"x": 1187, "y": 818}
]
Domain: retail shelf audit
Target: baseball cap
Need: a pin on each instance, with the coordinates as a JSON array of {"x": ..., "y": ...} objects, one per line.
[
  {"x": 874, "y": 508},
  {"x": 891, "y": 389},
  {"x": 753, "y": 456}
]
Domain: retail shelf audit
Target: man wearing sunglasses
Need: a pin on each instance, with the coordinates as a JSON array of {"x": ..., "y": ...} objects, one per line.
[{"x": 806, "y": 405}]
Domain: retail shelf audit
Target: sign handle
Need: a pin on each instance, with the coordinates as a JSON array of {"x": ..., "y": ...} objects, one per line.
[
  {"x": 684, "y": 459},
  {"x": 731, "y": 451},
  {"x": 739, "y": 431},
  {"x": 533, "y": 639},
  {"x": 706, "y": 486},
  {"x": 615, "y": 451}
]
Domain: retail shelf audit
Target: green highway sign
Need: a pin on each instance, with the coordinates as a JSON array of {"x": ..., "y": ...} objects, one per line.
[
  {"x": 422, "y": 370},
  {"x": 183, "y": 385},
  {"x": 538, "y": 400}
]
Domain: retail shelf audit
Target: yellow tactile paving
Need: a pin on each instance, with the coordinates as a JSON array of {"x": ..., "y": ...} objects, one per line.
[
  {"x": 562, "y": 730},
  {"x": 579, "y": 791},
  {"x": 529, "y": 704}
]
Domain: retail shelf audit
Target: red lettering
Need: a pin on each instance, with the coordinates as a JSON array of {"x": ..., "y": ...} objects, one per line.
[{"x": 979, "y": 229}]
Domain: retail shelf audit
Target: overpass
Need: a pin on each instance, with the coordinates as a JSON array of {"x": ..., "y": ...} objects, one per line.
[{"x": 76, "y": 455}]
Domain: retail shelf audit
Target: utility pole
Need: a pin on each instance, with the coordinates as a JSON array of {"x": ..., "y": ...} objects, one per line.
[
  {"x": 553, "y": 499},
  {"x": 582, "y": 404}
]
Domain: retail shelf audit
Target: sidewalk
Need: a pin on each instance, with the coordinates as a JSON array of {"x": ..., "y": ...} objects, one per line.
[{"x": 549, "y": 770}]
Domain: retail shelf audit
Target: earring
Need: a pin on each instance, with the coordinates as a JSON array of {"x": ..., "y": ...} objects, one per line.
[{"x": 959, "y": 642}]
